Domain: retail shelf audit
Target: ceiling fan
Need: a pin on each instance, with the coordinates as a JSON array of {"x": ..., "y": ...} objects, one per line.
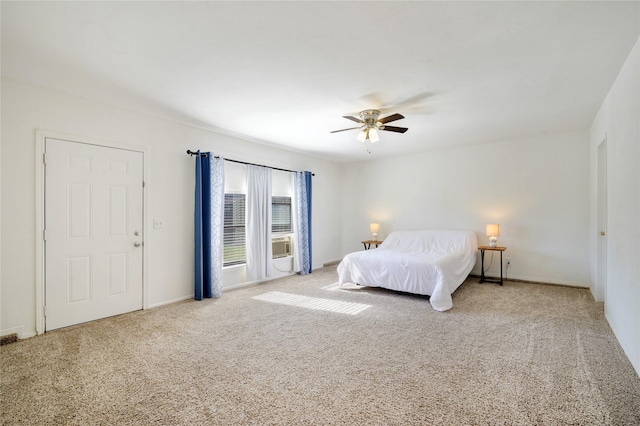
[{"x": 370, "y": 122}]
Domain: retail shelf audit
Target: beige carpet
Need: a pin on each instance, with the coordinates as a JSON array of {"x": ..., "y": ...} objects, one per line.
[{"x": 522, "y": 354}]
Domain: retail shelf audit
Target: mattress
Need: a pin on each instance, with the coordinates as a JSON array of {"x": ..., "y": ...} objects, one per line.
[{"x": 428, "y": 262}]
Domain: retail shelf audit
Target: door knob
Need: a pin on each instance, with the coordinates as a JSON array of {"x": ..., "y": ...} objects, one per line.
[{"x": 137, "y": 244}]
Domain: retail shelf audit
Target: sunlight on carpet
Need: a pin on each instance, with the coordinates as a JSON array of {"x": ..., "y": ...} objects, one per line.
[
  {"x": 345, "y": 287},
  {"x": 313, "y": 302}
]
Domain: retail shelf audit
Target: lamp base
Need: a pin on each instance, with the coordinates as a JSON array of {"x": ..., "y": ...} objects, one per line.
[
  {"x": 374, "y": 236},
  {"x": 493, "y": 241}
]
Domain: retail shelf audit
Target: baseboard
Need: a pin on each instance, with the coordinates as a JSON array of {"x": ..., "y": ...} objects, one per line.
[
  {"x": 331, "y": 263},
  {"x": 19, "y": 332},
  {"x": 168, "y": 302},
  {"x": 252, "y": 283},
  {"x": 535, "y": 281}
]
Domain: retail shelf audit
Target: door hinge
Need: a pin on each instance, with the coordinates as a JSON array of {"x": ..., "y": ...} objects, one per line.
[
  {"x": 44, "y": 235},
  {"x": 44, "y": 310},
  {"x": 44, "y": 158},
  {"x": 143, "y": 184}
]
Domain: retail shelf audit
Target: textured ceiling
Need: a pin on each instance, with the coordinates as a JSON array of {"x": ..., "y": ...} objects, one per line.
[{"x": 284, "y": 73}]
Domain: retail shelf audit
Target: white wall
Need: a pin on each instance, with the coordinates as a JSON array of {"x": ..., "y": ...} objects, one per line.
[
  {"x": 619, "y": 120},
  {"x": 169, "y": 251},
  {"x": 536, "y": 188}
]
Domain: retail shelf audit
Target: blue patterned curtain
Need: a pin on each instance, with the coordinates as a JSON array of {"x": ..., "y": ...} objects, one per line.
[
  {"x": 302, "y": 195},
  {"x": 208, "y": 220}
]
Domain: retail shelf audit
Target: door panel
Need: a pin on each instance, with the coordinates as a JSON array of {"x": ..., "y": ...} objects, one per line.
[{"x": 93, "y": 216}]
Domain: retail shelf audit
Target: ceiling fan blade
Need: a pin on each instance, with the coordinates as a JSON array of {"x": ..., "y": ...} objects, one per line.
[
  {"x": 357, "y": 120},
  {"x": 394, "y": 129},
  {"x": 392, "y": 117},
  {"x": 344, "y": 130}
]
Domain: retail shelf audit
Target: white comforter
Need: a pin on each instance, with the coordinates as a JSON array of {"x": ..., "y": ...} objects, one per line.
[{"x": 433, "y": 262}]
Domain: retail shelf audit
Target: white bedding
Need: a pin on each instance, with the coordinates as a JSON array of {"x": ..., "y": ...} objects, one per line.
[{"x": 432, "y": 262}]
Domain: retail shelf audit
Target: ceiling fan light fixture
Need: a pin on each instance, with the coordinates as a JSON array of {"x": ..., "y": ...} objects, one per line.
[
  {"x": 371, "y": 123},
  {"x": 373, "y": 135}
]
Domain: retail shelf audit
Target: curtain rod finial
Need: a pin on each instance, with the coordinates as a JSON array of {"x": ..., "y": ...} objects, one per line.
[{"x": 195, "y": 153}]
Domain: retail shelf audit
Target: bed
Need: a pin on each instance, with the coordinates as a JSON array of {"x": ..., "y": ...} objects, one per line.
[{"x": 430, "y": 262}]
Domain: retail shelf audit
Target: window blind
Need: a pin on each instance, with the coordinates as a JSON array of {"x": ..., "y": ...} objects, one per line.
[
  {"x": 234, "y": 230},
  {"x": 281, "y": 215}
]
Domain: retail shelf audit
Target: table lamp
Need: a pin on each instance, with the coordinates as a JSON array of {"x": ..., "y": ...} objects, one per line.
[
  {"x": 374, "y": 228},
  {"x": 493, "y": 230}
]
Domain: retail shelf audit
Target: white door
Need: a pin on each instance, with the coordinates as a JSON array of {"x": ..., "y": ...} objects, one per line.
[{"x": 93, "y": 237}]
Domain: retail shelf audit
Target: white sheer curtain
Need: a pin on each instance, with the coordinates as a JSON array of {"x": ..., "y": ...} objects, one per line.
[{"x": 258, "y": 223}]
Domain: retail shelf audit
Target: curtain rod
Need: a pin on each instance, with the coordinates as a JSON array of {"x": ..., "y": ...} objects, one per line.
[{"x": 250, "y": 164}]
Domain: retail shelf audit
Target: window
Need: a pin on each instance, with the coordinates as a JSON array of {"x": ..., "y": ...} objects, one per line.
[
  {"x": 281, "y": 215},
  {"x": 234, "y": 225},
  {"x": 234, "y": 234}
]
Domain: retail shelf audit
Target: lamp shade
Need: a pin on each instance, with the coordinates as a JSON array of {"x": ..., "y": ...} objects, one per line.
[
  {"x": 493, "y": 230},
  {"x": 374, "y": 228},
  {"x": 373, "y": 135}
]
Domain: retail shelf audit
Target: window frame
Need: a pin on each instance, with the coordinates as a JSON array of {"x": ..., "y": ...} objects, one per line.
[{"x": 241, "y": 198}]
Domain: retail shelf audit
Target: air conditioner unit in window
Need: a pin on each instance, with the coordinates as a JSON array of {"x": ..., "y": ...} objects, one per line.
[{"x": 281, "y": 247}]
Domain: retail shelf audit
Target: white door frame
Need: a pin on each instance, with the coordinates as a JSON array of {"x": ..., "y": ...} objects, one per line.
[
  {"x": 601, "y": 220},
  {"x": 41, "y": 136}
]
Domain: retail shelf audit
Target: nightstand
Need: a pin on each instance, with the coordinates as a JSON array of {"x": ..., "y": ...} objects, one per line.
[
  {"x": 367, "y": 243},
  {"x": 482, "y": 250}
]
